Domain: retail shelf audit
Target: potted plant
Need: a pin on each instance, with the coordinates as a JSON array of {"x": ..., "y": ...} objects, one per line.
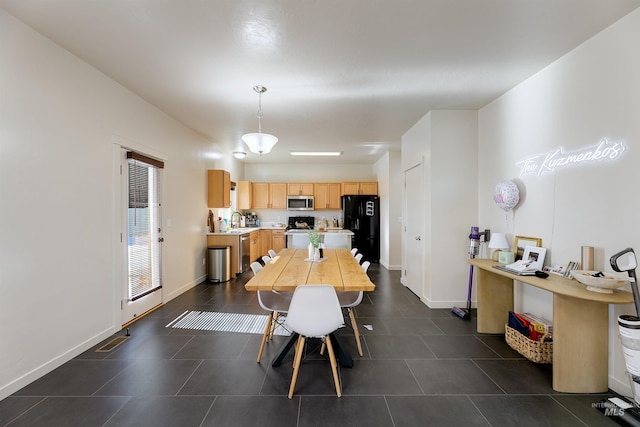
[{"x": 314, "y": 244}]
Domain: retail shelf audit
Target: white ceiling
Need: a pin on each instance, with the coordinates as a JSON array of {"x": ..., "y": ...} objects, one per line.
[{"x": 346, "y": 75}]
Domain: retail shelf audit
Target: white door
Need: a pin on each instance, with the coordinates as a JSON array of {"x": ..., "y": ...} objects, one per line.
[
  {"x": 142, "y": 235},
  {"x": 414, "y": 229}
]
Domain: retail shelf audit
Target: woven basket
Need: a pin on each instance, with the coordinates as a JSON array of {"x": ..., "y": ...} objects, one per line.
[{"x": 536, "y": 351}]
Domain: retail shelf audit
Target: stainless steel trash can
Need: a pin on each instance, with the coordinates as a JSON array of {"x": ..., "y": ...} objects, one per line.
[{"x": 219, "y": 258}]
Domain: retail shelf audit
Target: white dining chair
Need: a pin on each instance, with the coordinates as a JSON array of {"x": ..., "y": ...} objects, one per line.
[
  {"x": 266, "y": 259},
  {"x": 354, "y": 251},
  {"x": 348, "y": 300},
  {"x": 358, "y": 258},
  {"x": 275, "y": 303},
  {"x": 272, "y": 253},
  {"x": 255, "y": 267},
  {"x": 314, "y": 312},
  {"x": 365, "y": 266}
]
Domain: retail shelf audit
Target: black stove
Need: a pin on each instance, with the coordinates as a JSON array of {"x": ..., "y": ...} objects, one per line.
[{"x": 295, "y": 222}]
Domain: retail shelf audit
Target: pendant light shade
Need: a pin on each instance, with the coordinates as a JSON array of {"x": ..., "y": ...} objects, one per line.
[{"x": 259, "y": 143}]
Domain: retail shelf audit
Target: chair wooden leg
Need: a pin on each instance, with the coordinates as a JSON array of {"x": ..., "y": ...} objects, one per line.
[
  {"x": 356, "y": 332},
  {"x": 334, "y": 365},
  {"x": 296, "y": 364},
  {"x": 265, "y": 337}
]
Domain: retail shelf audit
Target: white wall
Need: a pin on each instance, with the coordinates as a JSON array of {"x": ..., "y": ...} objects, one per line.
[
  {"x": 446, "y": 141},
  {"x": 590, "y": 94},
  {"x": 59, "y": 119},
  {"x": 389, "y": 179}
]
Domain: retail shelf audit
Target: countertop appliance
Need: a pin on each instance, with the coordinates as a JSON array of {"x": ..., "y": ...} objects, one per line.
[
  {"x": 252, "y": 219},
  {"x": 361, "y": 214},
  {"x": 300, "y": 203}
]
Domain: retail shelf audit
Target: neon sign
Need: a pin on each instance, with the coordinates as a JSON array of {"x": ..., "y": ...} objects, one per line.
[{"x": 553, "y": 160}]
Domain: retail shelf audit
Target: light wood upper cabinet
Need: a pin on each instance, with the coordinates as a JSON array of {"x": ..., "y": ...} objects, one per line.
[
  {"x": 300, "y": 189},
  {"x": 219, "y": 189},
  {"x": 269, "y": 195},
  {"x": 327, "y": 195},
  {"x": 245, "y": 195},
  {"x": 360, "y": 188}
]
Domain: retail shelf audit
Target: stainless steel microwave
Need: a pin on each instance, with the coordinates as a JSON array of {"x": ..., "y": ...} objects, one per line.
[{"x": 300, "y": 203}]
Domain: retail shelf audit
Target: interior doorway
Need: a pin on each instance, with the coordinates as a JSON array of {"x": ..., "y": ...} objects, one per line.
[{"x": 415, "y": 220}]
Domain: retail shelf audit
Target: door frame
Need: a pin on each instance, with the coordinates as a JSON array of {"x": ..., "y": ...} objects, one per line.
[{"x": 118, "y": 252}]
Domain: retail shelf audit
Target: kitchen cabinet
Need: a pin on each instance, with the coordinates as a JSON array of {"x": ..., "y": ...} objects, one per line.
[
  {"x": 219, "y": 189},
  {"x": 300, "y": 189},
  {"x": 244, "y": 191},
  {"x": 278, "y": 240},
  {"x": 265, "y": 242},
  {"x": 360, "y": 188},
  {"x": 269, "y": 195},
  {"x": 327, "y": 196},
  {"x": 254, "y": 251}
]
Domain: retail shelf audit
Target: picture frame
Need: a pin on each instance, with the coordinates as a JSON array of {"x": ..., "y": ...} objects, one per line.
[
  {"x": 522, "y": 242},
  {"x": 535, "y": 255},
  {"x": 568, "y": 272},
  {"x": 558, "y": 270}
]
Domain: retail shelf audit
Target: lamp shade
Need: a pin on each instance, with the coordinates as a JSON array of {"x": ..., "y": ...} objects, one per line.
[
  {"x": 259, "y": 143},
  {"x": 498, "y": 241}
]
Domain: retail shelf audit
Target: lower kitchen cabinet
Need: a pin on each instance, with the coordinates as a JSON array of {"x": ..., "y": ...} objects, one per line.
[{"x": 278, "y": 240}]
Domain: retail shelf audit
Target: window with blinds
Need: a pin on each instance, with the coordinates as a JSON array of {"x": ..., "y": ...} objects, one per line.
[{"x": 143, "y": 225}]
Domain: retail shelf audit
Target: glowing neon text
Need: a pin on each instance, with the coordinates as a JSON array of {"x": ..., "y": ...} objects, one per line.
[{"x": 549, "y": 162}]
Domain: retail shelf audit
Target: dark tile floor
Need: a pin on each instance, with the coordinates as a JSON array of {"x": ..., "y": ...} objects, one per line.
[{"x": 420, "y": 367}]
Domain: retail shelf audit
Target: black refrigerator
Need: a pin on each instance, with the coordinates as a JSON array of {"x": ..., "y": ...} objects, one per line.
[{"x": 361, "y": 214}]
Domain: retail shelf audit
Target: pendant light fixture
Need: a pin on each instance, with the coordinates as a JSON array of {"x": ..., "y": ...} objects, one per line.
[{"x": 259, "y": 143}]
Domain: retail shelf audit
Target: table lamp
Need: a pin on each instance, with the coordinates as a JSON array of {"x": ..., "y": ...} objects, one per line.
[{"x": 499, "y": 243}]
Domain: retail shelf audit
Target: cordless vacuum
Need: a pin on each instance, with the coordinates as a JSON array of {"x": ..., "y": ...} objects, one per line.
[
  {"x": 474, "y": 246},
  {"x": 619, "y": 409}
]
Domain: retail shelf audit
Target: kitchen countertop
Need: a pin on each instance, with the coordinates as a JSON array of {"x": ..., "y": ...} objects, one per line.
[
  {"x": 238, "y": 231},
  {"x": 247, "y": 230},
  {"x": 327, "y": 231}
]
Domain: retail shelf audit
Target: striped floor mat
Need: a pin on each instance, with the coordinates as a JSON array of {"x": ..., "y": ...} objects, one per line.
[{"x": 225, "y": 322}]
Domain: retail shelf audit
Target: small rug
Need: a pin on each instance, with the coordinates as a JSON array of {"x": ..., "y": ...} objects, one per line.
[{"x": 225, "y": 322}]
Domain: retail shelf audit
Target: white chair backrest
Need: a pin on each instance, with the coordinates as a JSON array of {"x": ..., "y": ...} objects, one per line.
[
  {"x": 314, "y": 311},
  {"x": 272, "y": 253},
  {"x": 358, "y": 258},
  {"x": 255, "y": 267},
  {"x": 350, "y": 298},
  {"x": 365, "y": 266},
  {"x": 354, "y": 251},
  {"x": 266, "y": 259}
]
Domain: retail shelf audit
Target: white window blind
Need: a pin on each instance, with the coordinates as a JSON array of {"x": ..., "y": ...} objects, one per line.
[{"x": 144, "y": 225}]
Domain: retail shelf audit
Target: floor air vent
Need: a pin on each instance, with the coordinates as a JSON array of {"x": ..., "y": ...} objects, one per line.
[{"x": 111, "y": 344}]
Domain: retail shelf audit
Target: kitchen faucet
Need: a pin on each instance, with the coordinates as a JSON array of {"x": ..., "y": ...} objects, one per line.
[{"x": 237, "y": 224}]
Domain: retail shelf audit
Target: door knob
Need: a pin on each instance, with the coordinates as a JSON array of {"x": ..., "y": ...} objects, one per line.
[
  {"x": 160, "y": 239},
  {"x": 417, "y": 237}
]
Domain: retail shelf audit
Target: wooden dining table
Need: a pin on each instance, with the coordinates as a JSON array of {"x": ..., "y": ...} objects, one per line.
[{"x": 291, "y": 268}]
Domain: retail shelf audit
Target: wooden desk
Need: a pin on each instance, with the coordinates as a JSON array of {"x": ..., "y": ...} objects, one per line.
[
  {"x": 580, "y": 323},
  {"x": 289, "y": 269}
]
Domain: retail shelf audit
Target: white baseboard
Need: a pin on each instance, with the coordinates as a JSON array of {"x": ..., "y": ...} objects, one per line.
[
  {"x": 26, "y": 379},
  {"x": 621, "y": 387},
  {"x": 182, "y": 289}
]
